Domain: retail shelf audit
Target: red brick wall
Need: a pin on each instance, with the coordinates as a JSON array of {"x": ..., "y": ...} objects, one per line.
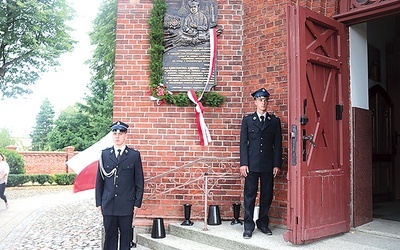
[
  {"x": 45, "y": 162},
  {"x": 42, "y": 162},
  {"x": 251, "y": 55},
  {"x": 167, "y": 135},
  {"x": 264, "y": 60}
]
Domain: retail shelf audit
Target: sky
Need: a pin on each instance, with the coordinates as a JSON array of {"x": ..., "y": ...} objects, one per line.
[{"x": 64, "y": 86}]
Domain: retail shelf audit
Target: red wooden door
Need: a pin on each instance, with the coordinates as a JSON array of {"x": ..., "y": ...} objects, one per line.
[{"x": 319, "y": 153}]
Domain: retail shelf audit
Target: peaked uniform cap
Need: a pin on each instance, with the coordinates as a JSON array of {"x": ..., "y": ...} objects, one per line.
[
  {"x": 260, "y": 93},
  {"x": 193, "y": 3},
  {"x": 118, "y": 125}
]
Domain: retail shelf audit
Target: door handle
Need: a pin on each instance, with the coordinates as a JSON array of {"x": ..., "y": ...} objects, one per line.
[
  {"x": 309, "y": 138},
  {"x": 293, "y": 137}
]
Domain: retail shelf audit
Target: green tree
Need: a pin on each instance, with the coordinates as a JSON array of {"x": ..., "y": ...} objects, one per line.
[
  {"x": 44, "y": 125},
  {"x": 5, "y": 138},
  {"x": 99, "y": 104},
  {"x": 71, "y": 129},
  {"x": 84, "y": 124},
  {"x": 33, "y": 34},
  {"x": 103, "y": 37}
]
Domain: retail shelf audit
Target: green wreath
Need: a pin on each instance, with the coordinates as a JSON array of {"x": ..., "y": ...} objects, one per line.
[{"x": 158, "y": 90}]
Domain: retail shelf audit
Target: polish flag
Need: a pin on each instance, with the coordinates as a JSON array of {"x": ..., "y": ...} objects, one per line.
[{"x": 85, "y": 164}]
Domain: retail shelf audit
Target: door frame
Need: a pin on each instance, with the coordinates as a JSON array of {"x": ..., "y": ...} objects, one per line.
[{"x": 355, "y": 11}]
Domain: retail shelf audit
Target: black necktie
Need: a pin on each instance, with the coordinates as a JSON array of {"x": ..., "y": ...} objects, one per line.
[
  {"x": 119, "y": 154},
  {"x": 262, "y": 120}
]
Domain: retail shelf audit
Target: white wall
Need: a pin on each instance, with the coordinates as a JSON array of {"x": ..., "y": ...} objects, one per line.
[{"x": 359, "y": 66}]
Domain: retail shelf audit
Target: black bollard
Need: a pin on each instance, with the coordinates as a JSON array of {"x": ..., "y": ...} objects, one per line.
[
  {"x": 158, "y": 229},
  {"x": 236, "y": 214},
  {"x": 187, "y": 221},
  {"x": 214, "y": 217}
]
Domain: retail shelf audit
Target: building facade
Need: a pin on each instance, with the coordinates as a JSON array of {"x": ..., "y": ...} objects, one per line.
[{"x": 320, "y": 61}]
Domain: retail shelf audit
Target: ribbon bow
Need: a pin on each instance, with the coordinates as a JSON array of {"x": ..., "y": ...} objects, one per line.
[{"x": 202, "y": 128}]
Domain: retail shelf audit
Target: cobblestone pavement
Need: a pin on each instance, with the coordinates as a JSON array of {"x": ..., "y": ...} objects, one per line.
[
  {"x": 49, "y": 217},
  {"x": 35, "y": 190}
]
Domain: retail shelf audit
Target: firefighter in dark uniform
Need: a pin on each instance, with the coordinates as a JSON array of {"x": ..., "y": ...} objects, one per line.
[
  {"x": 119, "y": 188},
  {"x": 260, "y": 159}
]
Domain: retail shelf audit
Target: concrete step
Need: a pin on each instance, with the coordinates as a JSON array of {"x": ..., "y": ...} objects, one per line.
[
  {"x": 224, "y": 236},
  {"x": 171, "y": 242},
  {"x": 230, "y": 237}
]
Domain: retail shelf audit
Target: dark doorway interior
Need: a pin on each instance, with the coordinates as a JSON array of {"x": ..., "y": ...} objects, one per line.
[
  {"x": 384, "y": 100},
  {"x": 387, "y": 210}
]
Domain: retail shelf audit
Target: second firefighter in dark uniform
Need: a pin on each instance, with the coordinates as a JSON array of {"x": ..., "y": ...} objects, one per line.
[
  {"x": 119, "y": 189},
  {"x": 260, "y": 160}
]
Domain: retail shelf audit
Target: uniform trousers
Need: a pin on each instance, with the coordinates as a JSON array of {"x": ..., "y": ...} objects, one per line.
[
  {"x": 250, "y": 194},
  {"x": 114, "y": 226}
]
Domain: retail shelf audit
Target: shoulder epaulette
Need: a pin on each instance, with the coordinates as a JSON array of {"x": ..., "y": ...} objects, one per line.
[
  {"x": 108, "y": 149},
  {"x": 251, "y": 114}
]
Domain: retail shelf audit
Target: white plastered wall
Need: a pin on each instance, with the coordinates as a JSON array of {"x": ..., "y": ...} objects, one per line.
[{"x": 359, "y": 66}]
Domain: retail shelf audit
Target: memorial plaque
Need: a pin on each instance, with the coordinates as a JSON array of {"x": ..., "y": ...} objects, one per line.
[{"x": 186, "y": 59}]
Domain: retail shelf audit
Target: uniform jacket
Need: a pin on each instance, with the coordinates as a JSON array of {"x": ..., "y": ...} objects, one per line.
[
  {"x": 119, "y": 193},
  {"x": 260, "y": 147}
]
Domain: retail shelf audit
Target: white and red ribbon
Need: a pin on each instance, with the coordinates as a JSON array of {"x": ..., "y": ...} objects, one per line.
[
  {"x": 213, "y": 52},
  {"x": 213, "y": 57},
  {"x": 202, "y": 128}
]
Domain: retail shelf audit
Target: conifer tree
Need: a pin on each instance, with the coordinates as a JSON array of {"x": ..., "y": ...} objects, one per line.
[{"x": 44, "y": 125}]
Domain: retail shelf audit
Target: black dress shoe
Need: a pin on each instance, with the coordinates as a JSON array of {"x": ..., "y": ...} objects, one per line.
[
  {"x": 247, "y": 234},
  {"x": 265, "y": 230}
]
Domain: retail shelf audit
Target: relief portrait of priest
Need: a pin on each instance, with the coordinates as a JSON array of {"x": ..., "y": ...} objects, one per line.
[{"x": 189, "y": 26}]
